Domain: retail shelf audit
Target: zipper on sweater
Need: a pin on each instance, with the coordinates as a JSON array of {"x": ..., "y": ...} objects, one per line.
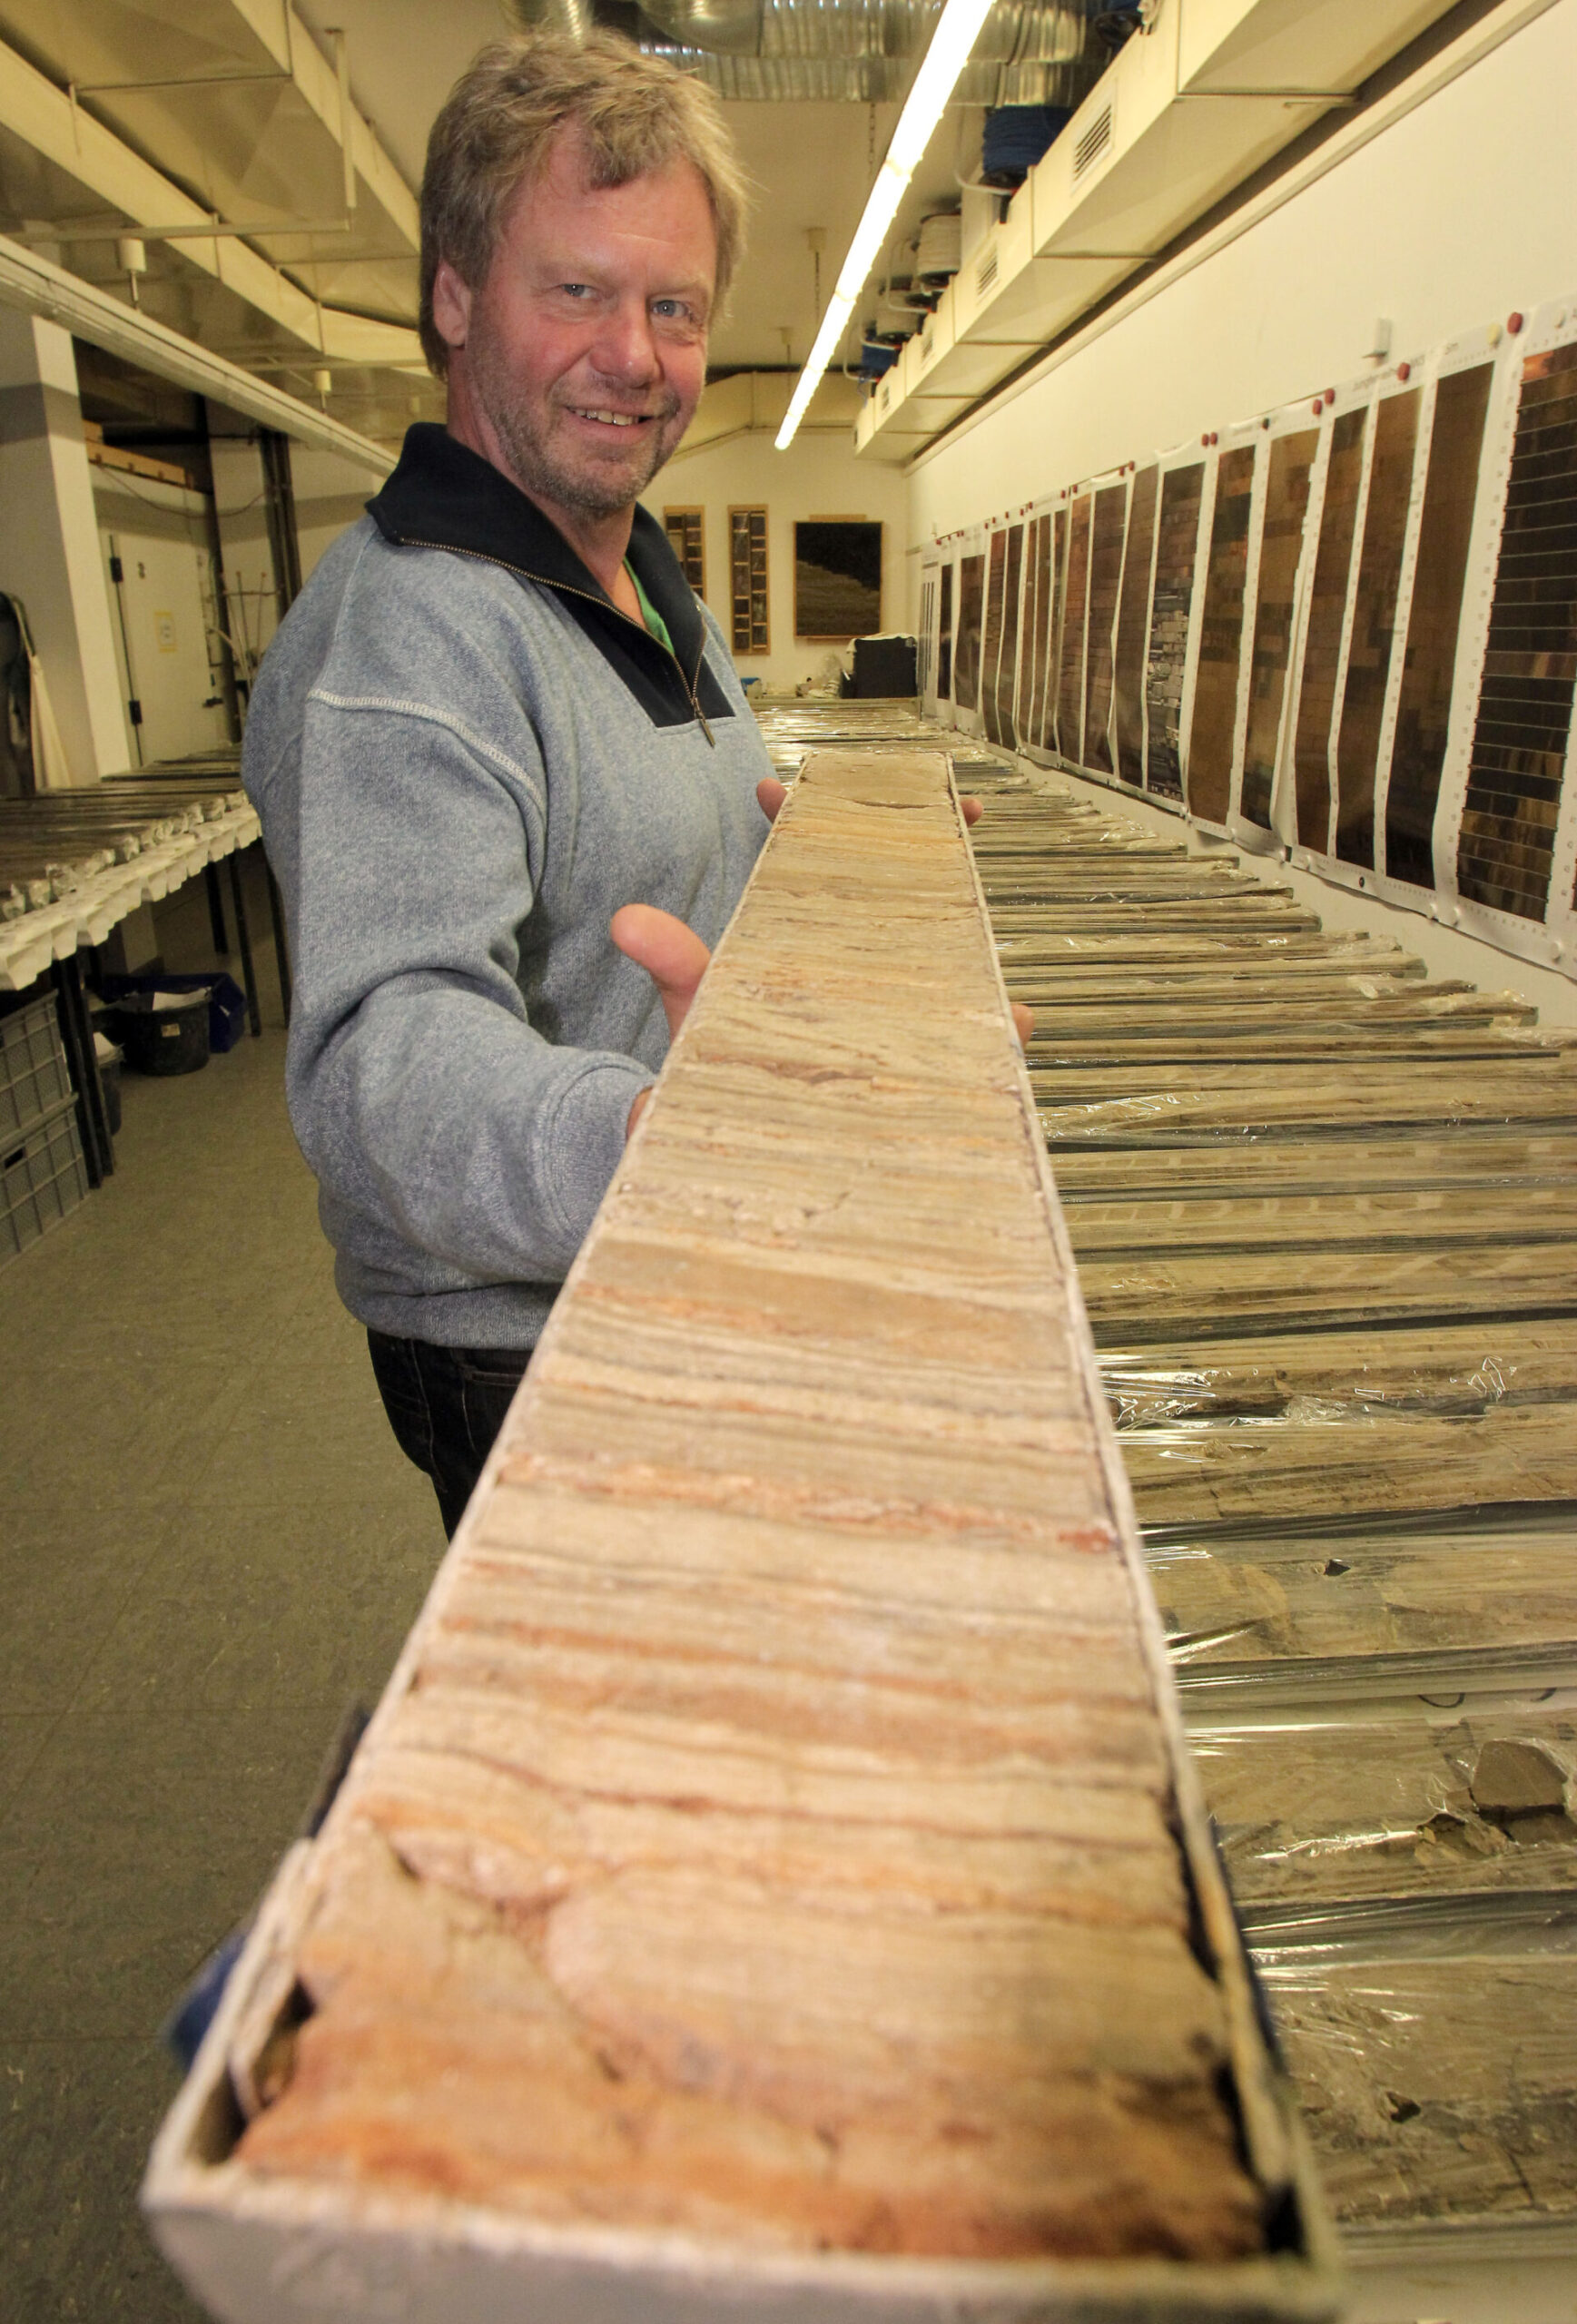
[{"x": 567, "y": 588}]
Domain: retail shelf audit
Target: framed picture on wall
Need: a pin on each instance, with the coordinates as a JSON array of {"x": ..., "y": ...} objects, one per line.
[
  {"x": 837, "y": 578},
  {"x": 686, "y": 528},
  {"x": 747, "y": 580}
]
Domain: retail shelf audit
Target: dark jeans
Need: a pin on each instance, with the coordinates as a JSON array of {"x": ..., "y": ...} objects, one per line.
[{"x": 445, "y": 1406}]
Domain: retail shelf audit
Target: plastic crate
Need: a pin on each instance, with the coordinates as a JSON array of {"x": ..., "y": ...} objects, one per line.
[
  {"x": 35, "y": 1077},
  {"x": 40, "y": 1181}
]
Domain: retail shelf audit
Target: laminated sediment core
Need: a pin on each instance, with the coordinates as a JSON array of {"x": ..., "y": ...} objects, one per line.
[{"x": 770, "y": 1830}]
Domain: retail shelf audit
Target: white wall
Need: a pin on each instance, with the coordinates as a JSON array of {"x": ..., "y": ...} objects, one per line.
[
  {"x": 1458, "y": 213},
  {"x": 330, "y": 494},
  {"x": 166, "y": 641},
  {"x": 244, "y": 532},
  {"x": 818, "y": 475},
  {"x": 49, "y": 542}
]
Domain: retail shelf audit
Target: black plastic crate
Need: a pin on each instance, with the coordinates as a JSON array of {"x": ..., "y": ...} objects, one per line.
[
  {"x": 35, "y": 1077},
  {"x": 41, "y": 1180}
]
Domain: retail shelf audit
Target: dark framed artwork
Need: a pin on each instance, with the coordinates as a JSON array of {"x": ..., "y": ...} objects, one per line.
[
  {"x": 686, "y": 530},
  {"x": 751, "y": 631},
  {"x": 837, "y": 578}
]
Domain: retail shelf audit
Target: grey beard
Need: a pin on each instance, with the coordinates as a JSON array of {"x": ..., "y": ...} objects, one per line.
[{"x": 537, "y": 472}]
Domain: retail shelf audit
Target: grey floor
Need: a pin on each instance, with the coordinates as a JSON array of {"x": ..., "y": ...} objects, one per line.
[{"x": 210, "y": 1545}]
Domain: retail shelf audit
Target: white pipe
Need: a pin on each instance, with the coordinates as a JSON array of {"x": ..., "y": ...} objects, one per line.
[
  {"x": 347, "y": 117},
  {"x": 39, "y": 288}
]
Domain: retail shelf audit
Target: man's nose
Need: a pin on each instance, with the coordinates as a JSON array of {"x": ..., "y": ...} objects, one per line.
[{"x": 626, "y": 348}]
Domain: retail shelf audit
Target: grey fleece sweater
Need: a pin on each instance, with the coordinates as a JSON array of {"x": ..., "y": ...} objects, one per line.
[{"x": 461, "y": 774}]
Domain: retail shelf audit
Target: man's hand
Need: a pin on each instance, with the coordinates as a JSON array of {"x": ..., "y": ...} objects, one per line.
[
  {"x": 671, "y": 955},
  {"x": 676, "y": 959}
]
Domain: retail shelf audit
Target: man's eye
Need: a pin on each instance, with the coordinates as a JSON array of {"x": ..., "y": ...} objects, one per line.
[{"x": 576, "y": 289}]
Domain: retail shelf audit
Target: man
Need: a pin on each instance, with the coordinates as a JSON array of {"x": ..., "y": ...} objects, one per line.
[{"x": 496, "y": 715}]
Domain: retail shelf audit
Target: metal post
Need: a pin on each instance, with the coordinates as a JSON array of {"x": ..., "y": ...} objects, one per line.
[
  {"x": 279, "y": 512},
  {"x": 216, "y": 909},
  {"x": 281, "y": 943},
  {"x": 243, "y": 940},
  {"x": 76, "y": 1032}
]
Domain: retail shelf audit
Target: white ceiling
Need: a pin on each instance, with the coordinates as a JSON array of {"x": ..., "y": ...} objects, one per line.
[
  {"x": 264, "y": 149},
  {"x": 812, "y": 165}
]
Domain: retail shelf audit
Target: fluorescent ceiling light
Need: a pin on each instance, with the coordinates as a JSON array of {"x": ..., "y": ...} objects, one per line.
[{"x": 957, "y": 31}]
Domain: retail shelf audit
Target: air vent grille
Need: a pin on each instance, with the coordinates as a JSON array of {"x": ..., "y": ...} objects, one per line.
[
  {"x": 1095, "y": 142},
  {"x": 986, "y": 272}
]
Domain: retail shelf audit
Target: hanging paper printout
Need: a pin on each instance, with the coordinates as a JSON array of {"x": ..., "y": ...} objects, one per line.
[
  {"x": 1008, "y": 666},
  {"x": 1109, "y": 529},
  {"x": 1335, "y": 512},
  {"x": 1366, "y": 689},
  {"x": 1278, "y": 562},
  {"x": 991, "y": 635},
  {"x": 1348, "y": 627},
  {"x": 1516, "y": 849},
  {"x": 1458, "y": 403},
  {"x": 1133, "y": 628},
  {"x": 1032, "y": 624},
  {"x": 930, "y": 577},
  {"x": 947, "y": 591},
  {"x": 1213, "y": 724},
  {"x": 1075, "y": 620},
  {"x": 1045, "y": 653},
  {"x": 966, "y": 672},
  {"x": 1047, "y": 735},
  {"x": 1183, "y": 477}
]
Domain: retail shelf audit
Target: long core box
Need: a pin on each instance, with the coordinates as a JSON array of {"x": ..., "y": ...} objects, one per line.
[{"x": 774, "y": 1876}]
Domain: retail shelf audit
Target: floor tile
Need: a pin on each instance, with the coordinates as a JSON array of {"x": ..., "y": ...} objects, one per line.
[
  {"x": 77, "y": 2118},
  {"x": 133, "y": 1845},
  {"x": 23, "y": 1735},
  {"x": 208, "y": 1545},
  {"x": 308, "y": 1604},
  {"x": 94, "y": 1434},
  {"x": 291, "y": 1450},
  {"x": 66, "y": 1573}
]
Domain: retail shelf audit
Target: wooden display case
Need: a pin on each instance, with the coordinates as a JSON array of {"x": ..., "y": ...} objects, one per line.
[
  {"x": 750, "y": 629},
  {"x": 686, "y": 531}
]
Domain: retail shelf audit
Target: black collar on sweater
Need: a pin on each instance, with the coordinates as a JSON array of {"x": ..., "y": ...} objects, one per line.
[{"x": 442, "y": 495}]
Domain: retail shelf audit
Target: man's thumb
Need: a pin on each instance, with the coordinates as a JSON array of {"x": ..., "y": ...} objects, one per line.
[{"x": 671, "y": 955}]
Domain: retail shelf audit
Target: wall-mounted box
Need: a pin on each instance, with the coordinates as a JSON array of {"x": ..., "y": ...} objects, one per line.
[
  {"x": 928, "y": 404},
  {"x": 931, "y": 343},
  {"x": 995, "y": 290},
  {"x": 1138, "y": 161},
  {"x": 891, "y": 426},
  {"x": 1275, "y": 45}
]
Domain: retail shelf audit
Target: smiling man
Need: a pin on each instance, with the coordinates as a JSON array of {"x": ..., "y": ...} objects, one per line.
[{"x": 507, "y": 775}]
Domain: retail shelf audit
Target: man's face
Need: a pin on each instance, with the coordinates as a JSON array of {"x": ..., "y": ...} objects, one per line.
[{"x": 584, "y": 351}]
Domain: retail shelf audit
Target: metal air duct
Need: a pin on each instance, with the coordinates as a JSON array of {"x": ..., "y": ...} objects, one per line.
[{"x": 1030, "y": 52}]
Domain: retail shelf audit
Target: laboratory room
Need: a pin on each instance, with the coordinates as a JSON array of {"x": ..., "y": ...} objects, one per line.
[{"x": 788, "y": 1162}]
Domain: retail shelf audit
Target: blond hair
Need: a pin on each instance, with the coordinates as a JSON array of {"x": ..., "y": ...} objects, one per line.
[{"x": 633, "y": 113}]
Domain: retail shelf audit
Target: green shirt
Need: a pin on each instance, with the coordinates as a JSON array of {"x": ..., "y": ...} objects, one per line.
[{"x": 649, "y": 614}]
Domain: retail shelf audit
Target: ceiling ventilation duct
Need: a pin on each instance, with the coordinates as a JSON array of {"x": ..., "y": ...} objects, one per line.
[
  {"x": 575, "y": 18},
  {"x": 1030, "y": 52}
]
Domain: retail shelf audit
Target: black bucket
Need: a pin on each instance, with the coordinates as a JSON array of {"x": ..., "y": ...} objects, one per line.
[{"x": 163, "y": 1040}]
